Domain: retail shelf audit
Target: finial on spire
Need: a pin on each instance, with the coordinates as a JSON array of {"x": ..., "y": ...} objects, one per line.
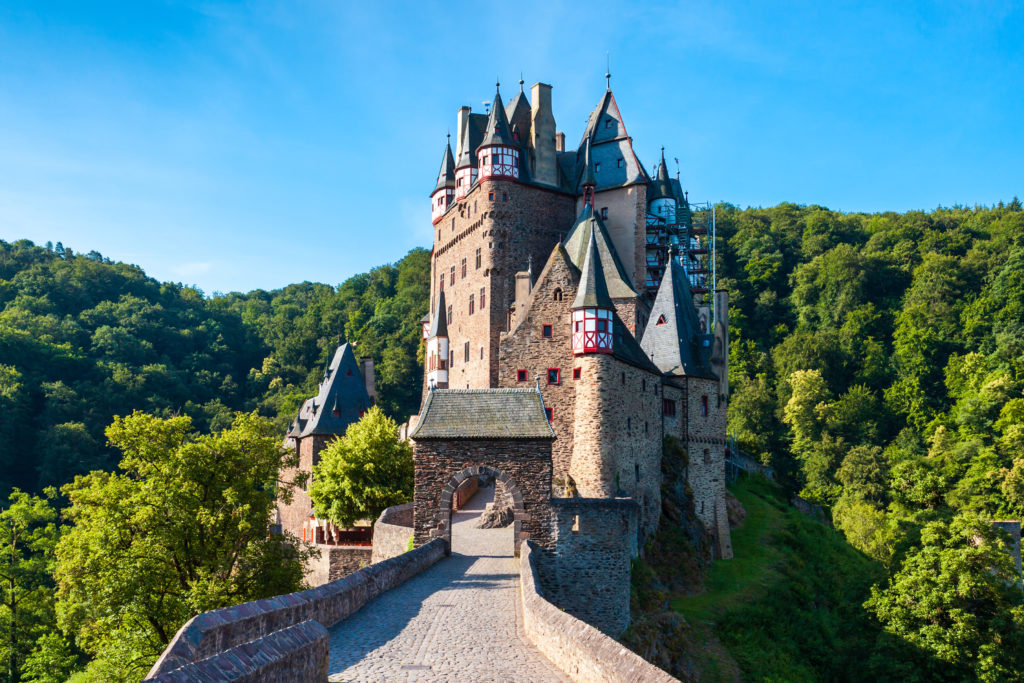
[
  {"x": 497, "y": 84},
  {"x": 608, "y": 71},
  {"x": 521, "y": 81},
  {"x": 677, "y": 167}
]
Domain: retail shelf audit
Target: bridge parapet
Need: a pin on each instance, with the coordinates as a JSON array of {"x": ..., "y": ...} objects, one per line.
[{"x": 220, "y": 633}]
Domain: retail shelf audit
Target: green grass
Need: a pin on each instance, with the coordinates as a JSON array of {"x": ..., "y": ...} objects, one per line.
[{"x": 734, "y": 582}]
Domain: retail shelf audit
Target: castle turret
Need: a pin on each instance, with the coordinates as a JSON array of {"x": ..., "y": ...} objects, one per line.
[
  {"x": 444, "y": 191},
  {"x": 498, "y": 154},
  {"x": 437, "y": 346},
  {"x": 465, "y": 167},
  {"x": 592, "y": 310},
  {"x": 661, "y": 198}
]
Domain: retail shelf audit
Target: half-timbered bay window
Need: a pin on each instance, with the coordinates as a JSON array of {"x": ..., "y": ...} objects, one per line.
[
  {"x": 500, "y": 161},
  {"x": 591, "y": 331}
]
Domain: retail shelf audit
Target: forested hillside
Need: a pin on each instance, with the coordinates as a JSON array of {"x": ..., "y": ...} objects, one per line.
[
  {"x": 878, "y": 364},
  {"x": 83, "y": 339}
]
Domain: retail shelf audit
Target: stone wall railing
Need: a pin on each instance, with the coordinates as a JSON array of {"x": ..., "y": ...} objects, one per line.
[
  {"x": 391, "y": 532},
  {"x": 284, "y": 637},
  {"x": 575, "y": 647}
]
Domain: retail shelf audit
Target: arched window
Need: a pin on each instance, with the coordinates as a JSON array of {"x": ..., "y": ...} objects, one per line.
[{"x": 558, "y": 294}]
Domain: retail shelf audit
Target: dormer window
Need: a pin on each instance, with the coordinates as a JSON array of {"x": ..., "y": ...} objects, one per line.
[
  {"x": 608, "y": 122},
  {"x": 622, "y": 163},
  {"x": 597, "y": 167},
  {"x": 604, "y": 213}
]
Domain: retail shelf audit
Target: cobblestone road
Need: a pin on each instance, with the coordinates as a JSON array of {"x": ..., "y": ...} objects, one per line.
[{"x": 457, "y": 621}]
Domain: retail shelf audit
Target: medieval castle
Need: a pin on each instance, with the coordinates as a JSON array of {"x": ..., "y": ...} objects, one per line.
[{"x": 573, "y": 325}]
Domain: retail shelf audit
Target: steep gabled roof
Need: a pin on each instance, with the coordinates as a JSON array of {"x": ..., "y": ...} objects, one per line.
[
  {"x": 576, "y": 244},
  {"x": 673, "y": 338},
  {"x": 610, "y": 142},
  {"x": 497, "y": 132},
  {"x": 439, "y": 323},
  {"x": 342, "y": 397},
  {"x": 483, "y": 414},
  {"x": 446, "y": 176},
  {"x": 592, "y": 291}
]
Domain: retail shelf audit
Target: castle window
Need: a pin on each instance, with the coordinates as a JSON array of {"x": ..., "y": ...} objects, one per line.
[
  {"x": 577, "y": 373},
  {"x": 668, "y": 407},
  {"x": 546, "y": 331},
  {"x": 608, "y": 122},
  {"x": 504, "y": 196},
  {"x": 483, "y": 297},
  {"x": 463, "y": 267},
  {"x": 550, "y": 412},
  {"x": 442, "y": 280},
  {"x": 597, "y": 167},
  {"x": 451, "y": 359},
  {"x": 636, "y": 470},
  {"x": 466, "y": 353},
  {"x": 645, "y": 428},
  {"x": 622, "y": 163},
  {"x": 471, "y": 306},
  {"x": 707, "y": 456},
  {"x": 629, "y": 423},
  {"x": 604, "y": 213},
  {"x": 575, "y": 524},
  {"x": 520, "y": 375},
  {"x": 661, "y": 320},
  {"x": 490, "y": 196},
  {"x": 452, "y": 272},
  {"x": 704, "y": 406},
  {"x": 557, "y": 295},
  {"x": 643, "y": 385},
  {"x": 554, "y": 376},
  {"x": 449, "y": 315},
  {"x": 478, "y": 258},
  {"x": 481, "y": 353}
]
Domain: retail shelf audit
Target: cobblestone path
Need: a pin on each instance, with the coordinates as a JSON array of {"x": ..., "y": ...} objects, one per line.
[{"x": 457, "y": 621}]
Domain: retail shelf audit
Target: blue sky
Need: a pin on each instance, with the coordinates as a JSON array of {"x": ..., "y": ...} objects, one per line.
[{"x": 244, "y": 145}]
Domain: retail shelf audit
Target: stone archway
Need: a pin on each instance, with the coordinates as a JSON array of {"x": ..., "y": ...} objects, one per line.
[{"x": 444, "y": 526}]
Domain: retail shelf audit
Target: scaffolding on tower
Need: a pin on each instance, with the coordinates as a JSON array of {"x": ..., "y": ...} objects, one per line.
[{"x": 691, "y": 230}]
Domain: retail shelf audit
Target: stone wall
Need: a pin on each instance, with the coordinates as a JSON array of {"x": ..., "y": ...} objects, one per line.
[
  {"x": 1012, "y": 527},
  {"x": 522, "y": 466},
  {"x": 575, "y": 647},
  {"x": 587, "y": 572},
  {"x": 295, "y": 514},
  {"x": 296, "y": 653},
  {"x": 391, "y": 532},
  {"x": 618, "y": 444},
  {"x": 509, "y": 223},
  {"x": 705, "y": 443},
  {"x": 216, "y": 633},
  {"x": 336, "y": 561}
]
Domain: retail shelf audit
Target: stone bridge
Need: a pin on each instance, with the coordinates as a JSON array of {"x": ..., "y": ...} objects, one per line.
[{"x": 474, "y": 615}]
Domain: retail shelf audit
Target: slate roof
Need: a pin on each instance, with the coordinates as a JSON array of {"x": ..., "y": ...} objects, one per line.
[
  {"x": 592, "y": 291},
  {"x": 576, "y": 243},
  {"x": 446, "y": 176},
  {"x": 439, "y": 323},
  {"x": 677, "y": 346},
  {"x": 342, "y": 391},
  {"x": 588, "y": 168},
  {"x": 661, "y": 186},
  {"x": 476, "y": 124},
  {"x": 497, "y": 132},
  {"x": 609, "y": 143},
  {"x": 483, "y": 414}
]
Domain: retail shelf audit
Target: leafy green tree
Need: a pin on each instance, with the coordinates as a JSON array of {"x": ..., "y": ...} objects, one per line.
[
  {"x": 29, "y": 540},
  {"x": 363, "y": 472},
  {"x": 182, "y": 529},
  {"x": 957, "y": 599}
]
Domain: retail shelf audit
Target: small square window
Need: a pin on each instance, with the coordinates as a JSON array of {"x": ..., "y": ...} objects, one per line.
[
  {"x": 597, "y": 167},
  {"x": 504, "y": 196},
  {"x": 520, "y": 375},
  {"x": 622, "y": 163},
  {"x": 554, "y": 376},
  {"x": 608, "y": 123},
  {"x": 546, "y": 331},
  {"x": 577, "y": 373},
  {"x": 550, "y": 413},
  {"x": 490, "y": 196},
  {"x": 604, "y": 213}
]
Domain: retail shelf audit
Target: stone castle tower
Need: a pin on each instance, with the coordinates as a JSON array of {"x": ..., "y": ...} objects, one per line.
[{"x": 619, "y": 329}]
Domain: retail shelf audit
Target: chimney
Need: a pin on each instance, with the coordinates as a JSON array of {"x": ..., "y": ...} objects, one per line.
[
  {"x": 559, "y": 141},
  {"x": 463, "y": 121},
  {"x": 542, "y": 135},
  {"x": 369, "y": 379}
]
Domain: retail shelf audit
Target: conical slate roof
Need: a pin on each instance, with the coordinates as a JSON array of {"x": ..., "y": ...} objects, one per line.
[
  {"x": 588, "y": 168},
  {"x": 593, "y": 291},
  {"x": 577, "y": 242},
  {"x": 446, "y": 176},
  {"x": 439, "y": 323},
  {"x": 498, "y": 132},
  {"x": 342, "y": 397},
  {"x": 672, "y": 338},
  {"x": 467, "y": 150},
  {"x": 661, "y": 186}
]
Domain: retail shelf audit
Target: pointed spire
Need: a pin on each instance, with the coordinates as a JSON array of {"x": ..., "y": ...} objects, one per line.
[
  {"x": 661, "y": 186},
  {"x": 497, "y": 124},
  {"x": 467, "y": 157},
  {"x": 593, "y": 291},
  {"x": 588, "y": 179},
  {"x": 446, "y": 176},
  {"x": 439, "y": 323}
]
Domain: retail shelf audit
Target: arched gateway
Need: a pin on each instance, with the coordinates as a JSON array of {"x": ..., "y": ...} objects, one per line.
[{"x": 462, "y": 433}]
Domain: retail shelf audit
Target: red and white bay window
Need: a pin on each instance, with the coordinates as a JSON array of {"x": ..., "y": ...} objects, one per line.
[
  {"x": 591, "y": 331},
  {"x": 498, "y": 161}
]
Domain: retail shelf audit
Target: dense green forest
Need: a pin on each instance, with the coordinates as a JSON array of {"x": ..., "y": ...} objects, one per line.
[{"x": 83, "y": 339}]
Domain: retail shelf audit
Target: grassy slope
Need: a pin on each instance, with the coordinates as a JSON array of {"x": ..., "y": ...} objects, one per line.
[{"x": 788, "y": 607}]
